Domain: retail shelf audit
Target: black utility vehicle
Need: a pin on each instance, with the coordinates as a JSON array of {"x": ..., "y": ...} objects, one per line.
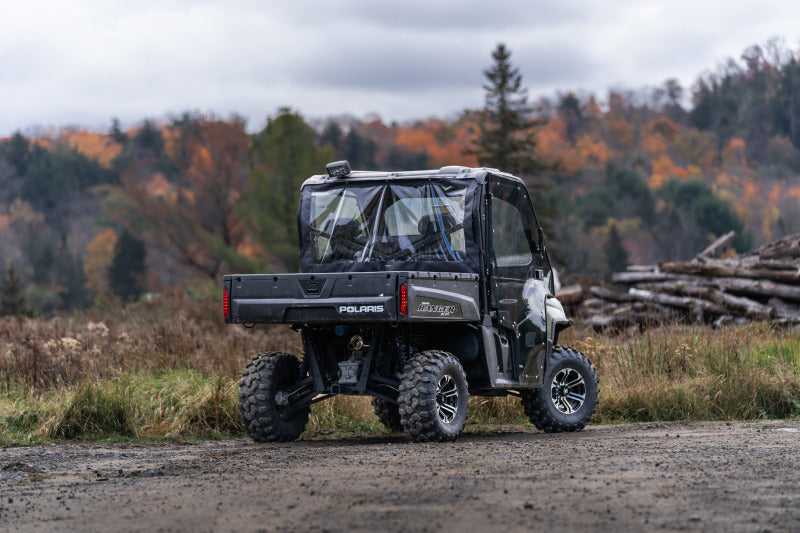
[{"x": 418, "y": 289}]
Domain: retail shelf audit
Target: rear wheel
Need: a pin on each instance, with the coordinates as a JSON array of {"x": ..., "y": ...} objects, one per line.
[
  {"x": 264, "y": 409},
  {"x": 433, "y": 397},
  {"x": 388, "y": 413},
  {"x": 568, "y": 397}
]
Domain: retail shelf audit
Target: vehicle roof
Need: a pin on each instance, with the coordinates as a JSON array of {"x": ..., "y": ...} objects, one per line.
[{"x": 451, "y": 172}]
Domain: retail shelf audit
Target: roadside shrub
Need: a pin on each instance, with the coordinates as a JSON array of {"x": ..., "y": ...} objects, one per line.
[{"x": 94, "y": 411}]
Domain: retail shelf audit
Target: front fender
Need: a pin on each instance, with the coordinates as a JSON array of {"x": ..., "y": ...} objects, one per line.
[{"x": 557, "y": 320}]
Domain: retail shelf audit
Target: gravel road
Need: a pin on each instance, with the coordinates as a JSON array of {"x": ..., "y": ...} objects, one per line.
[{"x": 665, "y": 476}]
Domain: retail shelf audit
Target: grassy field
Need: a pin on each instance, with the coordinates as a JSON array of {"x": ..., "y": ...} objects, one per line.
[{"x": 168, "y": 368}]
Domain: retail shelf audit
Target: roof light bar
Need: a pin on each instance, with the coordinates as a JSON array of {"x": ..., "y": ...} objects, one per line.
[{"x": 339, "y": 169}]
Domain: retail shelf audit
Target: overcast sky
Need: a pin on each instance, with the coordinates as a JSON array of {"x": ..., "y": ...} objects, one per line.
[{"x": 82, "y": 62}]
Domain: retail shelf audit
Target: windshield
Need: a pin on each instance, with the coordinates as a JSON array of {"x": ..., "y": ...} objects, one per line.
[{"x": 386, "y": 222}]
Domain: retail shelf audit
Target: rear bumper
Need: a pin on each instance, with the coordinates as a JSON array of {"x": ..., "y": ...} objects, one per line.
[{"x": 357, "y": 297}]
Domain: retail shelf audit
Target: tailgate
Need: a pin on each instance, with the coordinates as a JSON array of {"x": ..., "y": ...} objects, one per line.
[{"x": 329, "y": 298}]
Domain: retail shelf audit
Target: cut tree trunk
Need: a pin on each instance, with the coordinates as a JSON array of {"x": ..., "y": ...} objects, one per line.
[
  {"x": 723, "y": 270},
  {"x": 717, "y": 247}
]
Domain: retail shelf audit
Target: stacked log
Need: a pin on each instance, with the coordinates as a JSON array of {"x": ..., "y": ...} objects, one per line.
[{"x": 763, "y": 285}]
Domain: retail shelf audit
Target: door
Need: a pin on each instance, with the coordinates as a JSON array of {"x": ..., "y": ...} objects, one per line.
[{"x": 520, "y": 276}]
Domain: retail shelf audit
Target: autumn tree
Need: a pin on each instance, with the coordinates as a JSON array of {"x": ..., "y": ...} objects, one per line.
[
  {"x": 194, "y": 218},
  {"x": 282, "y": 156},
  {"x": 507, "y": 137},
  {"x": 96, "y": 261}
]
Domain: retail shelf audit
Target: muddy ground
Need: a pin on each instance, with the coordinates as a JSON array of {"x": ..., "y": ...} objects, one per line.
[{"x": 684, "y": 476}]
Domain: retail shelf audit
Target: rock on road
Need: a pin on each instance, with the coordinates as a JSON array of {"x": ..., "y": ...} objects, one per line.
[{"x": 660, "y": 476}]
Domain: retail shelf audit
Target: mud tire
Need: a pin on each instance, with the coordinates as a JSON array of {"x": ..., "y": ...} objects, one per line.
[
  {"x": 262, "y": 418},
  {"x": 545, "y": 407},
  {"x": 388, "y": 413},
  {"x": 433, "y": 397}
]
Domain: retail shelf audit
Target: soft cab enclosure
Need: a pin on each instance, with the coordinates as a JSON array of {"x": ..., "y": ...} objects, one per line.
[{"x": 396, "y": 224}]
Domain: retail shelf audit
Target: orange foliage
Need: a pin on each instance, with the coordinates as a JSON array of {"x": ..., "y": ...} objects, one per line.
[
  {"x": 172, "y": 137},
  {"x": 594, "y": 153},
  {"x": 416, "y": 139},
  {"x": 773, "y": 213},
  {"x": 616, "y": 121},
  {"x": 749, "y": 192},
  {"x": 591, "y": 109},
  {"x": 554, "y": 148},
  {"x": 723, "y": 180},
  {"x": 159, "y": 187},
  {"x": 445, "y": 143},
  {"x": 665, "y": 127},
  {"x": 733, "y": 156},
  {"x": 96, "y": 261},
  {"x": 196, "y": 219},
  {"x": 93, "y": 145},
  {"x": 664, "y": 169},
  {"x": 654, "y": 144}
]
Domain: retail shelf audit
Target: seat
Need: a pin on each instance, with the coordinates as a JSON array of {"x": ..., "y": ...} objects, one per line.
[
  {"x": 434, "y": 237},
  {"x": 345, "y": 239}
]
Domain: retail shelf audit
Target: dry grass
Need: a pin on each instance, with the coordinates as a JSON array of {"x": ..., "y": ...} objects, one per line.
[
  {"x": 170, "y": 332},
  {"x": 169, "y": 367},
  {"x": 695, "y": 373}
]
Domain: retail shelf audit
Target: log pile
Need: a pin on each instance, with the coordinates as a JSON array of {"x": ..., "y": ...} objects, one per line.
[{"x": 761, "y": 285}]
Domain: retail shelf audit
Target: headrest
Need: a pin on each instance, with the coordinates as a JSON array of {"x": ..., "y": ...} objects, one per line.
[
  {"x": 429, "y": 223},
  {"x": 343, "y": 227}
]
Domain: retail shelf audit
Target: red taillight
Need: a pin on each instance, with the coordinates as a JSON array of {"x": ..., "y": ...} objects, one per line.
[
  {"x": 404, "y": 299},
  {"x": 226, "y": 303}
]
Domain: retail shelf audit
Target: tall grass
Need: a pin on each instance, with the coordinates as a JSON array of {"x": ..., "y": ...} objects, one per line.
[
  {"x": 739, "y": 372},
  {"x": 169, "y": 368}
]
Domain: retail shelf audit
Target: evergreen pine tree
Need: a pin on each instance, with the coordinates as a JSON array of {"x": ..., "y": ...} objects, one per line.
[
  {"x": 616, "y": 255},
  {"x": 127, "y": 267},
  {"x": 116, "y": 132},
  {"x": 281, "y": 158},
  {"x": 507, "y": 138},
  {"x": 12, "y": 300}
]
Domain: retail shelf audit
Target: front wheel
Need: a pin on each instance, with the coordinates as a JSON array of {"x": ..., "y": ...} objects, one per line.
[
  {"x": 433, "y": 397},
  {"x": 568, "y": 397},
  {"x": 266, "y": 415}
]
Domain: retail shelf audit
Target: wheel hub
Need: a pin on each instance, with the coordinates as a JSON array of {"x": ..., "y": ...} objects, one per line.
[
  {"x": 568, "y": 391},
  {"x": 447, "y": 398}
]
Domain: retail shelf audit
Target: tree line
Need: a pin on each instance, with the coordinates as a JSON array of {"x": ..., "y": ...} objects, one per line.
[{"x": 87, "y": 217}]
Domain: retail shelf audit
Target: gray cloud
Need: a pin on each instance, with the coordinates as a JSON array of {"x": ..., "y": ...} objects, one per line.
[
  {"x": 83, "y": 62},
  {"x": 465, "y": 17}
]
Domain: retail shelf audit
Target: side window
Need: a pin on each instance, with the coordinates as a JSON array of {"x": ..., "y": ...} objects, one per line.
[{"x": 509, "y": 240}]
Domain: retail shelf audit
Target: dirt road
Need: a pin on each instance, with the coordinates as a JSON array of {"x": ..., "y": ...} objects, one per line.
[{"x": 695, "y": 476}]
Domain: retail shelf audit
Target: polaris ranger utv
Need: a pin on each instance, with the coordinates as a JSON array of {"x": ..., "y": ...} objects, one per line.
[{"x": 418, "y": 289}]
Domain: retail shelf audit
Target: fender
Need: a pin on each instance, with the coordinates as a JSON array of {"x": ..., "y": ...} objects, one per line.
[{"x": 557, "y": 320}]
